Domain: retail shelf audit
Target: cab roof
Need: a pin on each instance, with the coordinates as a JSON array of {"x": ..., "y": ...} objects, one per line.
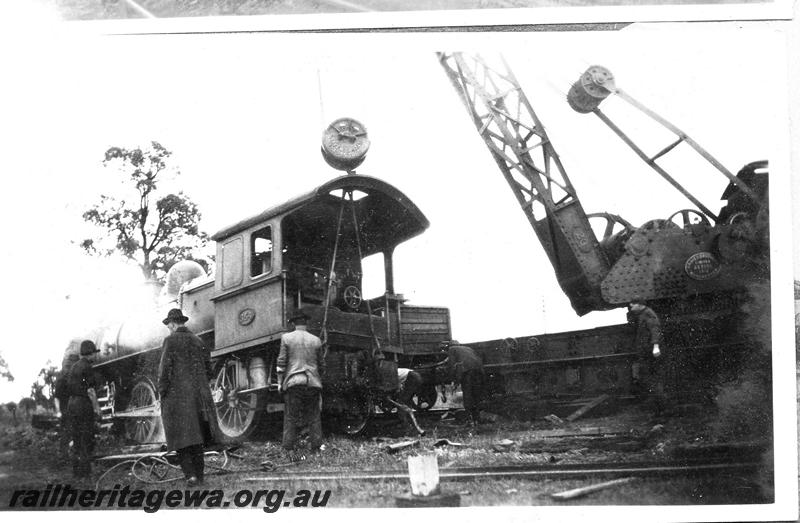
[{"x": 385, "y": 211}]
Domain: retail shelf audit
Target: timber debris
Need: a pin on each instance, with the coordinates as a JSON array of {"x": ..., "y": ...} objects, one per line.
[{"x": 583, "y": 491}]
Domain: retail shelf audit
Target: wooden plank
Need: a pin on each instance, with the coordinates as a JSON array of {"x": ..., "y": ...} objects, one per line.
[
  {"x": 582, "y": 491},
  {"x": 396, "y": 447},
  {"x": 586, "y": 408},
  {"x": 565, "y": 433},
  {"x": 424, "y": 318},
  {"x": 423, "y": 472}
]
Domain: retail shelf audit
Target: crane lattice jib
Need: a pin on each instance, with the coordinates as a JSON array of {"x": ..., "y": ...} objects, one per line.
[{"x": 527, "y": 159}]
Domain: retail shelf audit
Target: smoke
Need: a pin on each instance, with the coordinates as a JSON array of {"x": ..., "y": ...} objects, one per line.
[{"x": 55, "y": 303}]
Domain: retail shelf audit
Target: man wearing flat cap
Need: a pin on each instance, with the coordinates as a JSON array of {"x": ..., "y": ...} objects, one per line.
[
  {"x": 466, "y": 368},
  {"x": 647, "y": 341},
  {"x": 61, "y": 394},
  {"x": 187, "y": 409},
  {"x": 82, "y": 409},
  {"x": 299, "y": 365}
]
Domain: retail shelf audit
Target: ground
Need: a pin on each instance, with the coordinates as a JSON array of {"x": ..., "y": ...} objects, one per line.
[{"x": 28, "y": 460}]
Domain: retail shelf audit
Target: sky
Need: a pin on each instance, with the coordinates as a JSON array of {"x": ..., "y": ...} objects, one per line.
[{"x": 243, "y": 115}]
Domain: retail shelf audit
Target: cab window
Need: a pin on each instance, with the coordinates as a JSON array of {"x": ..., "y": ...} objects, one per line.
[{"x": 261, "y": 252}]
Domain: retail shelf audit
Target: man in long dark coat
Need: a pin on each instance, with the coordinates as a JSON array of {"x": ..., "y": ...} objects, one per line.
[
  {"x": 62, "y": 403},
  {"x": 187, "y": 409},
  {"x": 82, "y": 409},
  {"x": 466, "y": 368},
  {"x": 300, "y": 364},
  {"x": 647, "y": 341}
]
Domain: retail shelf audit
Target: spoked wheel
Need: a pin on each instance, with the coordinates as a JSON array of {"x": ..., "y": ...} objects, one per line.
[
  {"x": 425, "y": 398},
  {"x": 143, "y": 423},
  {"x": 688, "y": 217},
  {"x": 357, "y": 414},
  {"x": 238, "y": 414},
  {"x": 352, "y": 297}
]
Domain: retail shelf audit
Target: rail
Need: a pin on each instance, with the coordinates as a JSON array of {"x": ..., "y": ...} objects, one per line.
[{"x": 564, "y": 471}]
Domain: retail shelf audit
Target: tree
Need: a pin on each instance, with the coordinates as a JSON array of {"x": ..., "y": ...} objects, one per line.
[
  {"x": 5, "y": 373},
  {"x": 155, "y": 232},
  {"x": 43, "y": 389}
]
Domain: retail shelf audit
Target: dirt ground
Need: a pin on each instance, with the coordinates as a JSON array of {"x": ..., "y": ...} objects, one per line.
[{"x": 28, "y": 459}]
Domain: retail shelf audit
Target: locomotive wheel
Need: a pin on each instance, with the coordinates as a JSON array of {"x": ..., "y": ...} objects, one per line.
[
  {"x": 144, "y": 429},
  {"x": 238, "y": 414},
  {"x": 425, "y": 398},
  {"x": 354, "y": 420}
]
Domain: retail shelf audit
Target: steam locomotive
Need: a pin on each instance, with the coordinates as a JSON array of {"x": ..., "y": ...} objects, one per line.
[{"x": 305, "y": 253}]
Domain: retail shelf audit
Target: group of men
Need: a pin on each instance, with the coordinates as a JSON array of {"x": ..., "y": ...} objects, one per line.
[
  {"x": 188, "y": 411},
  {"x": 300, "y": 366}
]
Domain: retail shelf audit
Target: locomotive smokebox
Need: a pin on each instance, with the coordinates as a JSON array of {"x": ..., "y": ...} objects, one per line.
[
  {"x": 345, "y": 144},
  {"x": 592, "y": 87},
  {"x": 179, "y": 274}
]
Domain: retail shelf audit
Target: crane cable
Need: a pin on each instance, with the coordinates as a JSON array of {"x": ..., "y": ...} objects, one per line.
[
  {"x": 346, "y": 195},
  {"x": 149, "y": 463},
  {"x": 331, "y": 278},
  {"x": 377, "y": 347}
]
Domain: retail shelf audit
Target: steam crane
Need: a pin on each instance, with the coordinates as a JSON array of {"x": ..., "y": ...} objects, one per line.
[
  {"x": 664, "y": 261},
  {"x": 529, "y": 162},
  {"x": 705, "y": 274}
]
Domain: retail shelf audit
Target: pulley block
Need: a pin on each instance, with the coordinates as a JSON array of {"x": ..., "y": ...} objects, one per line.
[
  {"x": 592, "y": 87},
  {"x": 345, "y": 144}
]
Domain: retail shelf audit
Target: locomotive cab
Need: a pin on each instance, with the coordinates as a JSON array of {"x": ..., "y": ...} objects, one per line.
[{"x": 307, "y": 253}]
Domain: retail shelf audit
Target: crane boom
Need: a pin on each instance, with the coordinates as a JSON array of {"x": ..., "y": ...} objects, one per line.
[
  {"x": 528, "y": 161},
  {"x": 598, "y": 83}
]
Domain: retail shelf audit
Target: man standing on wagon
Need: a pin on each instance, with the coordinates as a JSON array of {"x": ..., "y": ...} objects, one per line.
[
  {"x": 187, "y": 409},
  {"x": 300, "y": 364}
]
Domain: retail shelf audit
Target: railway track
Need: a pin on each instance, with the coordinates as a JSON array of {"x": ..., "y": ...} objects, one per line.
[{"x": 559, "y": 471}]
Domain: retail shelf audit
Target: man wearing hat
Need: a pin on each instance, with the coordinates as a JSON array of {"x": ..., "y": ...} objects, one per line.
[
  {"x": 647, "y": 341},
  {"x": 466, "y": 368},
  {"x": 300, "y": 364},
  {"x": 82, "y": 409},
  {"x": 187, "y": 409},
  {"x": 61, "y": 393}
]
